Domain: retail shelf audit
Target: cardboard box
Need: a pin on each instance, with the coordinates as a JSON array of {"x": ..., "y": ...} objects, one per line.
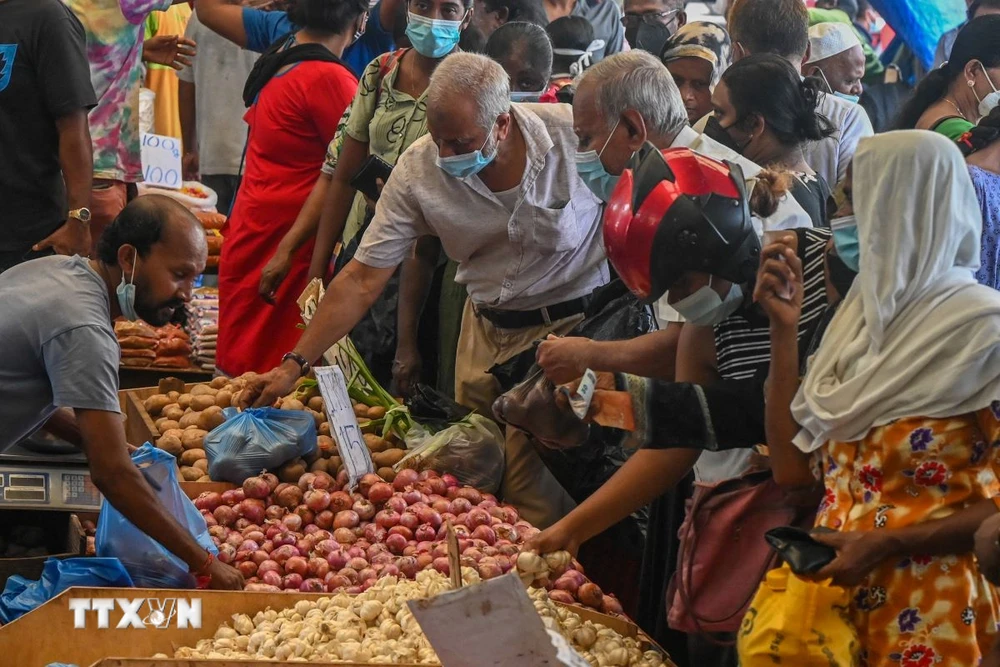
[
  {"x": 57, "y": 640},
  {"x": 64, "y": 538}
]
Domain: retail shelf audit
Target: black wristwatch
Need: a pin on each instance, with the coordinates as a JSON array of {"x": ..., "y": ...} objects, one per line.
[{"x": 304, "y": 366}]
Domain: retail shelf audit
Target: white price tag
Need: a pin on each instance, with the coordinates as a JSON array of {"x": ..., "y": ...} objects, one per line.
[
  {"x": 351, "y": 445},
  {"x": 161, "y": 161},
  {"x": 495, "y": 618}
]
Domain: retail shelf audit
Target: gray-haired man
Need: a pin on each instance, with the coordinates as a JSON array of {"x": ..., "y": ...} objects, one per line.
[{"x": 497, "y": 184}]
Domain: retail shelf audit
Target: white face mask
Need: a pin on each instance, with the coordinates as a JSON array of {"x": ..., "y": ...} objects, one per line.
[
  {"x": 706, "y": 308},
  {"x": 991, "y": 101}
]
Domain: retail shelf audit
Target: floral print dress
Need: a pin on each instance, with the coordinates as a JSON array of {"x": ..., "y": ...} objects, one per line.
[{"x": 917, "y": 611}]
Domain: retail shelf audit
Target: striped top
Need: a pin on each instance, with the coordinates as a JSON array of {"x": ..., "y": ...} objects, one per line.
[{"x": 743, "y": 348}]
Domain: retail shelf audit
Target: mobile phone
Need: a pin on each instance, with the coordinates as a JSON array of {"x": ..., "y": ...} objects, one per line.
[
  {"x": 797, "y": 547},
  {"x": 373, "y": 169},
  {"x": 774, "y": 236}
]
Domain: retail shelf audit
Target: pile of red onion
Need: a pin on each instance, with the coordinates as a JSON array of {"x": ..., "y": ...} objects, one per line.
[{"x": 315, "y": 536}]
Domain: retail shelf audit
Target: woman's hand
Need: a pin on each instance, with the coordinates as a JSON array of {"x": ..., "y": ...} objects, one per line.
[
  {"x": 779, "y": 285},
  {"x": 858, "y": 553},
  {"x": 558, "y": 537},
  {"x": 273, "y": 274},
  {"x": 564, "y": 359}
]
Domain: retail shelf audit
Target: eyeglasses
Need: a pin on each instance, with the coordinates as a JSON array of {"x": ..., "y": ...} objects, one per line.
[{"x": 650, "y": 18}]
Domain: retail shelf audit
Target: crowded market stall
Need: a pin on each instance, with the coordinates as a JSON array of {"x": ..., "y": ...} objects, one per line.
[{"x": 515, "y": 332}]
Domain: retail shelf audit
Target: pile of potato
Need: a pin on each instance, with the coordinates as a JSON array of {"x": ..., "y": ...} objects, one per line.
[{"x": 184, "y": 417}]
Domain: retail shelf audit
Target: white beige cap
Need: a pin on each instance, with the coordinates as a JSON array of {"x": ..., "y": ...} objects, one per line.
[{"x": 829, "y": 39}]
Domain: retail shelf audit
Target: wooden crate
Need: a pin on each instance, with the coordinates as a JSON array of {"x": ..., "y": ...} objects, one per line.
[
  {"x": 64, "y": 539},
  {"x": 133, "y": 646},
  {"x": 177, "y": 662},
  {"x": 139, "y": 424},
  {"x": 47, "y": 635},
  {"x": 194, "y": 489}
]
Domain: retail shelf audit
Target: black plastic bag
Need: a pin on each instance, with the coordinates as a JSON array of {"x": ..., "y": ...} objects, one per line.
[{"x": 433, "y": 408}]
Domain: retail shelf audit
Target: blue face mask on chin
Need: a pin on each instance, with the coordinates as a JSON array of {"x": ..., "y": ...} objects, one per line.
[
  {"x": 592, "y": 172},
  {"x": 706, "y": 308},
  {"x": 126, "y": 295},
  {"x": 463, "y": 166},
  {"x": 853, "y": 99},
  {"x": 433, "y": 38},
  {"x": 845, "y": 240}
]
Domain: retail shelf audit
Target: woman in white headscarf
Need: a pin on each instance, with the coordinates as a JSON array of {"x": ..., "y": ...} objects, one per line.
[{"x": 897, "y": 411}]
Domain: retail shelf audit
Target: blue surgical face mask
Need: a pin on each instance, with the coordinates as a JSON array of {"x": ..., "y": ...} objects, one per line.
[
  {"x": 126, "y": 295},
  {"x": 525, "y": 96},
  {"x": 433, "y": 38},
  {"x": 706, "y": 308},
  {"x": 853, "y": 99},
  {"x": 845, "y": 240},
  {"x": 463, "y": 166},
  {"x": 592, "y": 172}
]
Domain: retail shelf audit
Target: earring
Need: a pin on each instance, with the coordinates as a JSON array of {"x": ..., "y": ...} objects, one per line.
[{"x": 972, "y": 84}]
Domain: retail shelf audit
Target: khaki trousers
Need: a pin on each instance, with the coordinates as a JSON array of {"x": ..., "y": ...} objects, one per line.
[{"x": 527, "y": 482}]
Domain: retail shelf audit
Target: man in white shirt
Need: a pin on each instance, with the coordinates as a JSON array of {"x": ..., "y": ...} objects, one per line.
[
  {"x": 781, "y": 27},
  {"x": 496, "y": 183}
]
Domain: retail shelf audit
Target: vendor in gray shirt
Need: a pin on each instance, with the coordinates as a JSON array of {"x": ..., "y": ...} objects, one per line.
[
  {"x": 59, "y": 355},
  {"x": 497, "y": 184}
]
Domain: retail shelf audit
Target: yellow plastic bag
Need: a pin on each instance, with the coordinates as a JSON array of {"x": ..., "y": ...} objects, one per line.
[{"x": 795, "y": 621}]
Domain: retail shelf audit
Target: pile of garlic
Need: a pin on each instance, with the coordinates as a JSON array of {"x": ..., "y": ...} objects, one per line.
[
  {"x": 600, "y": 646},
  {"x": 376, "y": 626}
]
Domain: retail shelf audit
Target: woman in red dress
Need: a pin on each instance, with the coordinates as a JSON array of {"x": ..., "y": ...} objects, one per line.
[{"x": 297, "y": 92}]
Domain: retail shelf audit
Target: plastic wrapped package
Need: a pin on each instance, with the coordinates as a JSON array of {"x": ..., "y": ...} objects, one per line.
[
  {"x": 257, "y": 439},
  {"x": 148, "y": 562},
  {"x": 21, "y": 595},
  {"x": 472, "y": 450}
]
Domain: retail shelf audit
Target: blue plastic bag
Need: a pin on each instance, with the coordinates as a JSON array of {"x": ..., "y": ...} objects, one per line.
[
  {"x": 257, "y": 439},
  {"x": 149, "y": 563},
  {"x": 21, "y": 595}
]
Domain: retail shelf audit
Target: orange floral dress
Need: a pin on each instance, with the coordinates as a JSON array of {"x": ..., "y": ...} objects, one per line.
[{"x": 917, "y": 611}]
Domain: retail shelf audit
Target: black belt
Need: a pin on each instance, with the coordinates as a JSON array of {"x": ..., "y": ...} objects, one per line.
[{"x": 522, "y": 319}]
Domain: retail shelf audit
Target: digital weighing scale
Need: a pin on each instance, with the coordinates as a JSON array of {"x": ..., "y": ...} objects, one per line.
[{"x": 43, "y": 472}]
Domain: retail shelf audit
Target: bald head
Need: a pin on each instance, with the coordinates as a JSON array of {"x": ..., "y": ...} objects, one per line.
[
  {"x": 160, "y": 247},
  {"x": 150, "y": 220}
]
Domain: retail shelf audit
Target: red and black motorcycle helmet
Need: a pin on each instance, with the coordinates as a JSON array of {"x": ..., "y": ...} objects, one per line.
[{"x": 674, "y": 211}]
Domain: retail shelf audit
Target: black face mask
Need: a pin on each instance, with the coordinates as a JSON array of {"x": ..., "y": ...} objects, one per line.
[
  {"x": 841, "y": 275},
  {"x": 649, "y": 38},
  {"x": 714, "y": 130}
]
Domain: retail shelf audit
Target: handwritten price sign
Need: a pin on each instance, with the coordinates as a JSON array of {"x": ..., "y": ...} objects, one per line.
[{"x": 161, "y": 161}]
